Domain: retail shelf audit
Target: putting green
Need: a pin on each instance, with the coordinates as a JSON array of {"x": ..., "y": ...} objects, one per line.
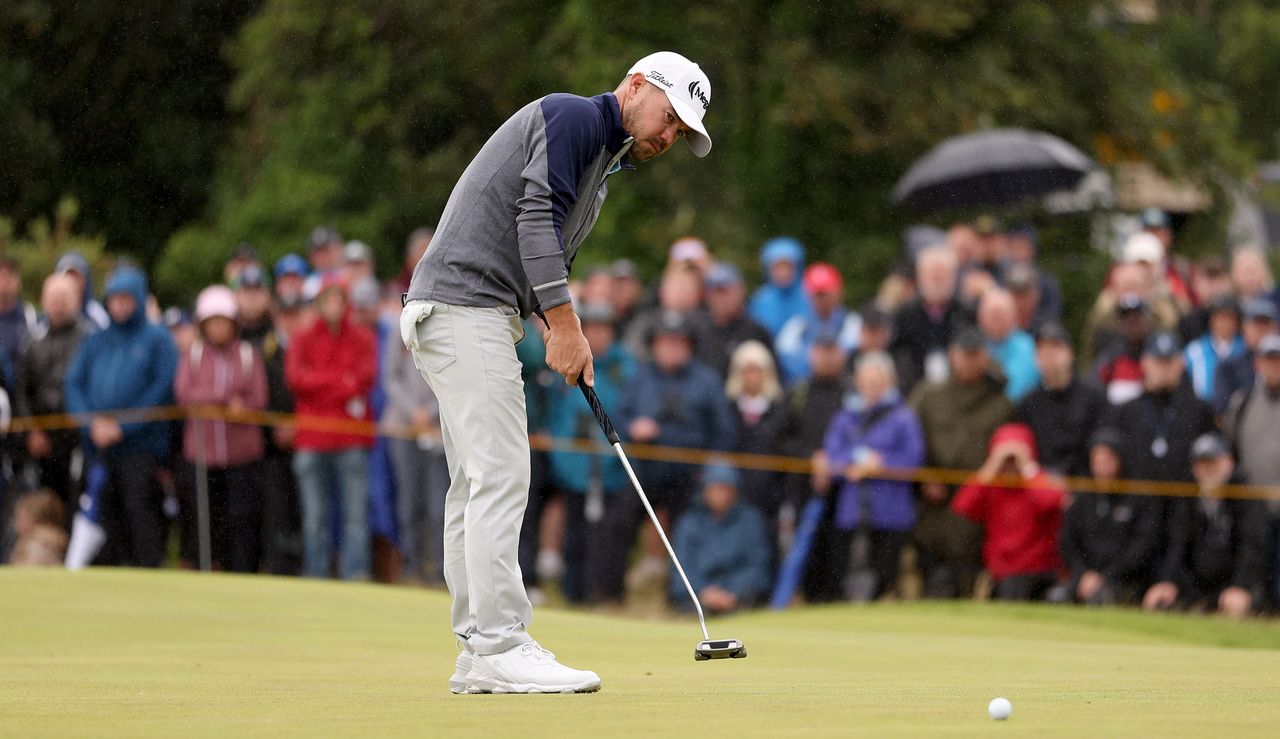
[{"x": 128, "y": 653}]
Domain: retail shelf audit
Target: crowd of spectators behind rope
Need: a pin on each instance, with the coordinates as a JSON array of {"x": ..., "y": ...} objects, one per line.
[{"x": 959, "y": 363}]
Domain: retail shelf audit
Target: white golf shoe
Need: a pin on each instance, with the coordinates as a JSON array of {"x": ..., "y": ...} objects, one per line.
[
  {"x": 463, "y": 674},
  {"x": 527, "y": 668}
]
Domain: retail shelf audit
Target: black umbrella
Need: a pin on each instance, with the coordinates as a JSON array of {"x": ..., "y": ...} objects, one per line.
[{"x": 990, "y": 168}]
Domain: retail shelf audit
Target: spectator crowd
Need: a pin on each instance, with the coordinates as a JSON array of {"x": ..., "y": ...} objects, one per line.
[{"x": 960, "y": 362}]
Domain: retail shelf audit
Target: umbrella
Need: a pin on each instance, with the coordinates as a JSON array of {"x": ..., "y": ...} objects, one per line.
[{"x": 991, "y": 168}]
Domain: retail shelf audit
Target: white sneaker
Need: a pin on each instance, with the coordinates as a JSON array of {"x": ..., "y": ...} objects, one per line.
[
  {"x": 528, "y": 668},
  {"x": 463, "y": 674},
  {"x": 550, "y": 565}
]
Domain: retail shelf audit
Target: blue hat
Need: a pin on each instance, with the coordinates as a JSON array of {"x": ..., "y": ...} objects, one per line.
[
  {"x": 292, "y": 264},
  {"x": 1260, "y": 309},
  {"x": 723, "y": 275},
  {"x": 718, "y": 473}
]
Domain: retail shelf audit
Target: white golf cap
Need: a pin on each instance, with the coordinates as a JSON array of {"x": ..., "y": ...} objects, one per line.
[
  {"x": 1144, "y": 246},
  {"x": 687, "y": 88}
]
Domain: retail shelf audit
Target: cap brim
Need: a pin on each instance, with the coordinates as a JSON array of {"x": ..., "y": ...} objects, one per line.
[{"x": 699, "y": 140}]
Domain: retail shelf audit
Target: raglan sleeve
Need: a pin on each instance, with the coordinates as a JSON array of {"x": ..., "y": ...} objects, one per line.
[{"x": 562, "y": 137}]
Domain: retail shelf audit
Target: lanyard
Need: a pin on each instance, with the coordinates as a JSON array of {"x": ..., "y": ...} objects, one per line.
[{"x": 1160, "y": 421}]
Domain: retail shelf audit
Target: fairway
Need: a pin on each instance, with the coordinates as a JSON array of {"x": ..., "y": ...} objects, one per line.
[{"x": 129, "y": 653}]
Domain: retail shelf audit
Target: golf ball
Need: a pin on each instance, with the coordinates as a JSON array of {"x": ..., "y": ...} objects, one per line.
[{"x": 1000, "y": 708}]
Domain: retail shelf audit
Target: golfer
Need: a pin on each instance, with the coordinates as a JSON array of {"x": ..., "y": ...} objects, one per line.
[{"x": 502, "y": 251}]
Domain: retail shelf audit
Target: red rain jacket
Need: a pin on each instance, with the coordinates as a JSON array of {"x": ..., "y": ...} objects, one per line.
[{"x": 331, "y": 375}]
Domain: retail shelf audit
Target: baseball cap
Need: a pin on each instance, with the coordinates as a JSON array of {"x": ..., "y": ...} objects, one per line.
[
  {"x": 1143, "y": 247},
  {"x": 1052, "y": 331},
  {"x": 251, "y": 276},
  {"x": 719, "y": 474},
  {"x": 1109, "y": 437},
  {"x": 688, "y": 249},
  {"x": 1260, "y": 309},
  {"x": 624, "y": 269},
  {"x": 968, "y": 338},
  {"x": 1163, "y": 345},
  {"x": 292, "y": 264},
  {"x": 822, "y": 278},
  {"x": 1208, "y": 446},
  {"x": 357, "y": 251},
  {"x": 723, "y": 275},
  {"x": 672, "y": 323},
  {"x": 322, "y": 236},
  {"x": 687, "y": 88},
  {"x": 1269, "y": 346}
]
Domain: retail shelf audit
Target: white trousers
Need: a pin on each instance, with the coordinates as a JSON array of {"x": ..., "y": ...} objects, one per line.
[{"x": 468, "y": 357}]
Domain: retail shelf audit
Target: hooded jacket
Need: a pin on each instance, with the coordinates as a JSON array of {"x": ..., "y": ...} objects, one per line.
[
  {"x": 772, "y": 306},
  {"x": 331, "y": 373},
  {"x": 90, "y": 308},
  {"x": 1021, "y": 524},
  {"x": 216, "y": 375},
  {"x": 130, "y": 364}
]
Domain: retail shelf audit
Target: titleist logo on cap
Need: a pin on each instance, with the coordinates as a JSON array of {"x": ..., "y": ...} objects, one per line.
[{"x": 656, "y": 76}]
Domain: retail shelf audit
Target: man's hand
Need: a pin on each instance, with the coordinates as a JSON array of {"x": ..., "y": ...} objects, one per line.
[
  {"x": 643, "y": 430},
  {"x": 935, "y": 492},
  {"x": 820, "y": 477},
  {"x": 1160, "y": 596},
  {"x": 38, "y": 444},
  {"x": 1090, "y": 583},
  {"x": 1235, "y": 602},
  {"x": 718, "y": 599},
  {"x": 567, "y": 350},
  {"x": 105, "y": 431}
]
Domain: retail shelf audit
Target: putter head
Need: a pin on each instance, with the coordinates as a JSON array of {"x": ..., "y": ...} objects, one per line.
[{"x": 720, "y": 649}]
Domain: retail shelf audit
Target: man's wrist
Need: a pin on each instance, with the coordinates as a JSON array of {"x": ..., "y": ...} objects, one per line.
[{"x": 561, "y": 316}]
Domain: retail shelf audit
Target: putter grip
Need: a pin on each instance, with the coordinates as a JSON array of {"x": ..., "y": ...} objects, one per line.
[{"x": 593, "y": 400}]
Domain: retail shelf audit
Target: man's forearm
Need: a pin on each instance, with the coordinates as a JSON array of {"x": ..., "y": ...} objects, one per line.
[{"x": 561, "y": 316}]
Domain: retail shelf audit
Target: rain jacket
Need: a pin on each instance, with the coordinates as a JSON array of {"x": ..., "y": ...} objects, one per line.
[
  {"x": 331, "y": 375},
  {"x": 89, "y": 307},
  {"x": 1202, "y": 362},
  {"x": 892, "y": 430},
  {"x": 213, "y": 375},
  {"x": 731, "y": 552},
  {"x": 127, "y": 365},
  {"x": 772, "y": 306}
]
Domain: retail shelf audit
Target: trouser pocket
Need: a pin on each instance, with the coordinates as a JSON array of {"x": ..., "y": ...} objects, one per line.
[{"x": 427, "y": 331}]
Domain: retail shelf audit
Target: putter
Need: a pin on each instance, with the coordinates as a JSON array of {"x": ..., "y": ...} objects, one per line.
[{"x": 708, "y": 648}]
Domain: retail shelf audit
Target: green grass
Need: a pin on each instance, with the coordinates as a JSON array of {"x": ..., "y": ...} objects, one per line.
[{"x": 126, "y": 653}]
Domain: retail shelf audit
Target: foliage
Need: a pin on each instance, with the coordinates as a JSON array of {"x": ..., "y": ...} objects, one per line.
[
  {"x": 44, "y": 240},
  {"x": 362, "y": 114}
]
